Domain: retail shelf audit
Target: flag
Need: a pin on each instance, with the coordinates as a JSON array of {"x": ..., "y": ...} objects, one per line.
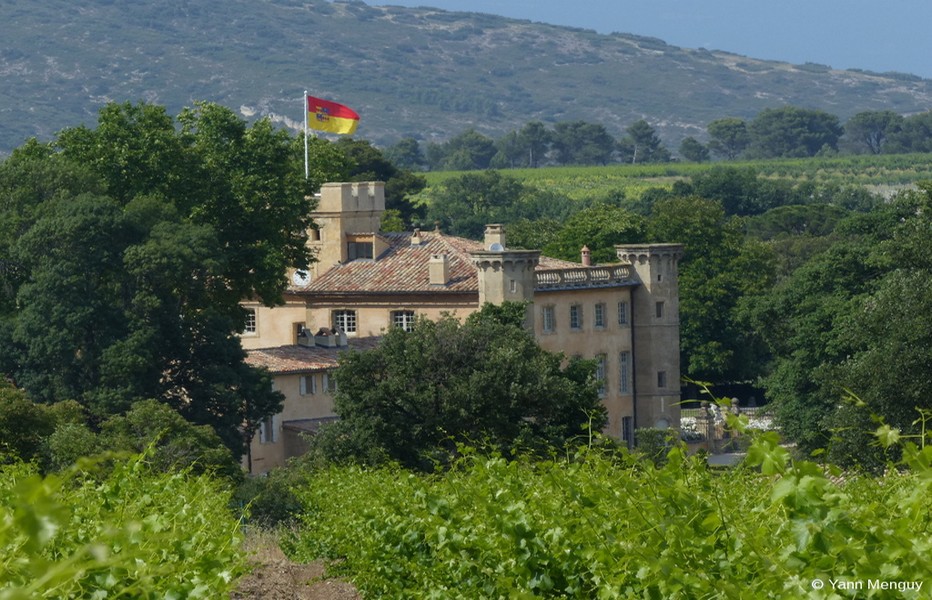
[{"x": 330, "y": 116}]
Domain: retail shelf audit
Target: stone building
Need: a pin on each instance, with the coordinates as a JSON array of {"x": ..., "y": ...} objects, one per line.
[{"x": 625, "y": 315}]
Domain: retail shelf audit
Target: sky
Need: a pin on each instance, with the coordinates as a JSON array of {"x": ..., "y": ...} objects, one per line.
[{"x": 890, "y": 35}]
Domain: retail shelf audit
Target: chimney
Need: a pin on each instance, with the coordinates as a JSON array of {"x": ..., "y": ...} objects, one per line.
[
  {"x": 586, "y": 256},
  {"x": 439, "y": 269},
  {"x": 416, "y": 238},
  {"x": 494, "y": 238},
  {"x": 326, "y": 338}
]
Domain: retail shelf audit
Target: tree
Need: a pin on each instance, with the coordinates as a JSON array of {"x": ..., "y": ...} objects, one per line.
[
  {"x": 729, "y": 137},
  {"x": 406, "y": 154},
  {"x": 464, "y": 205},
  {"x": 581, "y": 143},
  {"x": 740, "y": 190},
  {"x": 485, "y": 381},
  {"x": 693, "y": 151},
  {"x": 129, "y": 274},
  {"x": 600, "y": 227},
  {"x": 870, "y": 130},
  {"x": 914, "y": 134},
  {"x": 718, "y": 268},
  {"x": 467, "y": 151},
  {"x": 790, "y": 132},
  {"x": 642, "y": 145},
  {"x": 821, "y": 329},
  {"x": 534, "y": 140},
  {"x": 890, "y": 329}
]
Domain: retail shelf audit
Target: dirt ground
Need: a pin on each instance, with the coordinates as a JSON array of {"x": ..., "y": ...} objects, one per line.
[{"x": 275, "y": 577}]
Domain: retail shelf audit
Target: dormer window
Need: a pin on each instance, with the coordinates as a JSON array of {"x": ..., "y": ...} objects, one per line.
[{"x": 357, "y": 250}]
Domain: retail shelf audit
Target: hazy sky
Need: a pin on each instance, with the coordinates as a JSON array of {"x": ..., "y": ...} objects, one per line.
[{"x": 889, "y": 35}]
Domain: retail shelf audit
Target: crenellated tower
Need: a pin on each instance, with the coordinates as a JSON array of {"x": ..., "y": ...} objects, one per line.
[
  {"x": 348, "y": 217},
  {"x": 504, "y": 275},
  {"x": 655, "y": 324}
]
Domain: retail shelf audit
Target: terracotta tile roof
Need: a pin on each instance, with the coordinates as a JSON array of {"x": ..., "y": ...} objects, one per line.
[
  {"x": 283, "y": 360},
  {"x": 404, "y": 268}
]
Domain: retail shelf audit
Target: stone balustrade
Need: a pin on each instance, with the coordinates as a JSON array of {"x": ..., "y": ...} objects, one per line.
[{"x": 582, "y": 277}]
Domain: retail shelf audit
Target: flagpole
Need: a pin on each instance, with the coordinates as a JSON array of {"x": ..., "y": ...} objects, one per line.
[{"x": 306, "y": 168}]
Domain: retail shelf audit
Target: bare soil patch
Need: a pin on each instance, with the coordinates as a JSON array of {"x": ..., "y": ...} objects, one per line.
[{"x": 276, "y": 577}]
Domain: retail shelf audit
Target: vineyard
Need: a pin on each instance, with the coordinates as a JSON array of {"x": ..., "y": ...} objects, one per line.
[
  {"x": 615, "y": 526},
  {"x": 883, "y": 173},
  {"x": 132, "y": 533}
]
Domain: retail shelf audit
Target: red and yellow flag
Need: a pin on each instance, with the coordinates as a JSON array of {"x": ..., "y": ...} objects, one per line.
[{"x": 330, "y": 116}]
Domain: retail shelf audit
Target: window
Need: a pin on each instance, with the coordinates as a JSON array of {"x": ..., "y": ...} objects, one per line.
[
  {"x": 661, "y": 379},
  {"x": 345, "y": 320},
  {"x": 600, "y": 315},
  {"x": 250, "y": 321},
  {"x": 548, "y": 319},
  {"x": 624, "y": 373},
  {"x": 600, "y": 373},
  {"x": 514, "y": 286},
  {"x": 623, "y": 312},
  {"x": 356, "y": 250},
  {"x": 330, "y": 383},
  {"x": 307, "y": 384},
  {"x": 268, "y": 433},
  {"x": 627, "y": 430},
  {"x": 659, "y": 310},
  {"x": 575, "y": 316},
  {"x": 403, "y": 319}
]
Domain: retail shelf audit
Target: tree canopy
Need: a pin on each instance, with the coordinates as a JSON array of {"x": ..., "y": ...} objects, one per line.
[
  {"x": 131, "y": 245},
  {"x": 484, "y": 381}
]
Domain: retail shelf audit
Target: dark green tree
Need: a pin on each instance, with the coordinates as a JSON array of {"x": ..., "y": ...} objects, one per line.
[
  {"x": 740, "y": 190},
  {"x": 534, "y": 140},
  {"x": 128, "y": 276},
  {"x": 599, "y": 227},
  {"x": 819, "y": 322},
  {"x": 464, "y": 205},
  {"x": 693, "y": 151},
  {"x": 642, "y": 145},
  {"x": 581, "y": 143},
  {"x": 729, "y": 137},
  {"x": 485, "y": 381},
  {"x": 467, "y": 151},
  {"x": 718, "y": 268},
  {"x": 869, "y": 131},
  {"x": 790, "y": 132},
  {"x": 914, "y": 134},
  {"x": 406, "y": 154}
]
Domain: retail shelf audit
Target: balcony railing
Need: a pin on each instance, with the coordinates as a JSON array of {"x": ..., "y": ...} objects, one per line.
[{"x": 582, "y": 277}]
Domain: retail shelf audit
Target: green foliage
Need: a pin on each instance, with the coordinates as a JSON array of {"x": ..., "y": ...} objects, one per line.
[
  {"x": 642, "y": 145},
  {"x": 729, "y": 137},
  {"x": 600, "y": 227},
  {"x": 23, "y": 425},
  {"x": 849, "y": 318},
  {"x": 581, "y": 143},
  {"x": 719, "y": 268},
  {"x": 869, "y": 131},
  {"x": 692, "y": 150},
  {"x": 793, "y": 132},
  {"x": 465, "y": 204},
  {"x": 612, "y": 526},
  {"x": 135, "y": 533},
  {"x": 125, "y": 279},
  {"x": 420, "y": 393}
]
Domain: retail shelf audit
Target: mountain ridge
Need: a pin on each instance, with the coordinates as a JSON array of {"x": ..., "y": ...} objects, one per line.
[{"x": 420, "y": 72}]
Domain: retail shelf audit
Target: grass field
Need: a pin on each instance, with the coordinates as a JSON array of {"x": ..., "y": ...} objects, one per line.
[{"x": 884, "y": 173}]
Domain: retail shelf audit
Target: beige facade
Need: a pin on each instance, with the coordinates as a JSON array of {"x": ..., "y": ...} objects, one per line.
[{"x": 624, "y": 315}]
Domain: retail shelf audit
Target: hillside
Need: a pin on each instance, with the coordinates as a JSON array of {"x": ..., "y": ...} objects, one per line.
[{"x": 420, "y": 72}]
